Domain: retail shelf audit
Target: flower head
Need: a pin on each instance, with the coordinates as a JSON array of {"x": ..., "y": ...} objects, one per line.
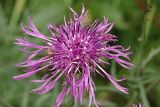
[
  {"x": 137, "y": 105},
  {"x": 74, "y": 52}
]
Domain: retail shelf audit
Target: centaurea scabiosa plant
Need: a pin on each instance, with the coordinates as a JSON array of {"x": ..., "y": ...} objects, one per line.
[{"x": 74, "y": 52}]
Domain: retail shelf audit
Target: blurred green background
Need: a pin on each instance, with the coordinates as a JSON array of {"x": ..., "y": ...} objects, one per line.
[{"x": 137, "y": 24}]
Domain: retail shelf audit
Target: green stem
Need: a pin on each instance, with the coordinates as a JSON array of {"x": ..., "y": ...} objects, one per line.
[
  {"x": 25, "y": 98},
  {"x": 144, "y": 36},
  {"x": 143, "y": 95},
  {"x": 145, "y": 30},
  {"x": 16, "y": 13},
  {"x": 149, "y": 19}
]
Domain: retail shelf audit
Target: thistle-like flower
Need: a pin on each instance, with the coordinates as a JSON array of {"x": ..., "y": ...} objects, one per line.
[{"x": 74, "y": 52}]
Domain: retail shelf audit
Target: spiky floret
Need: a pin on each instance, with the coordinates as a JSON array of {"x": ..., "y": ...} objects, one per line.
[{"x": 75, "y": 51}]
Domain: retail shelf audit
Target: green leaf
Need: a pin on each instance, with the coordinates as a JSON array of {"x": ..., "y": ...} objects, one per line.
[{"x": 150, "y": 56}]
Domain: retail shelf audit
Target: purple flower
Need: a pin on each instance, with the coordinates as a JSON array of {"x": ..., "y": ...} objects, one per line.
[
  {"x": 74, "y": 52},
  {"x": 137, "y": 105}
]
